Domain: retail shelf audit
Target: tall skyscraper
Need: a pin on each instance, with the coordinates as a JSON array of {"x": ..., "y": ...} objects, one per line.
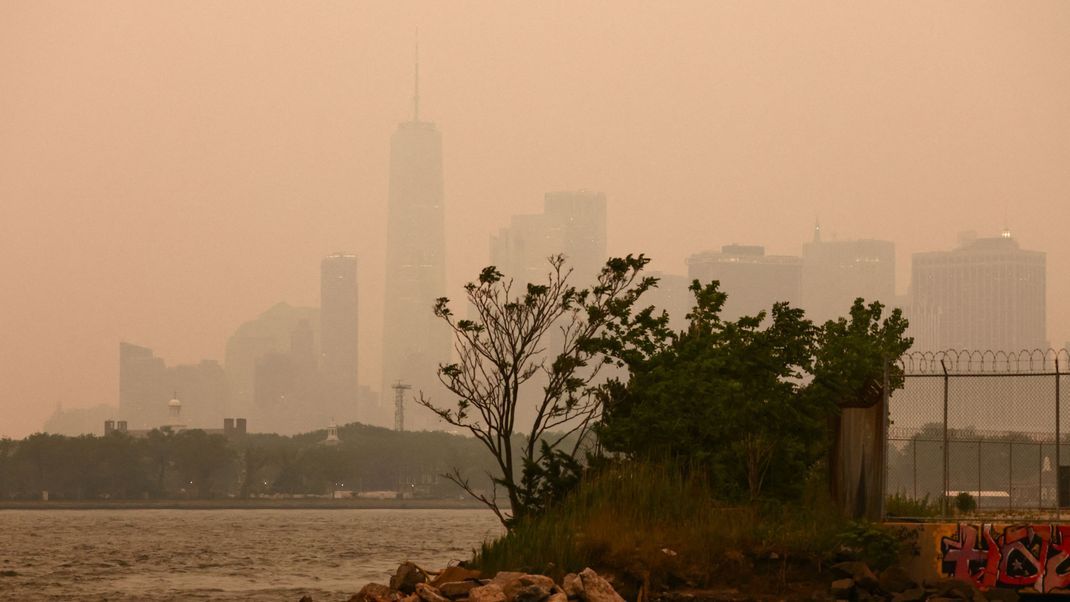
[
  {"x": 572, "y": 223},
  {"x": 835, "y": 273},
  {"x": 753, "y": 280},
  {"x": 338, "y": 334},
  {"x": 988, "y": 293},
  {"x": 414, "y": 340}
]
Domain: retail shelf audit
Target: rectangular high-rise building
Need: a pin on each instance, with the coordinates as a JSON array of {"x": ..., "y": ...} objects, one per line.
[
  {"x": 339, "y": 334},
  {"x": 415, "y": 342},
  {"x": 572, "y": 223},
  {"x": 753, "y": 280},
  {"x": 987, "y": 294},
  {"x": 835, "y": 273}
]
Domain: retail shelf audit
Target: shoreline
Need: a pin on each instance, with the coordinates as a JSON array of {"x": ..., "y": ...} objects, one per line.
[{"x": 244, "y": 504}]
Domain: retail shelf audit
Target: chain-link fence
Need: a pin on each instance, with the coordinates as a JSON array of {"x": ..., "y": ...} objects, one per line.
[{"x": 976, "y": 432}]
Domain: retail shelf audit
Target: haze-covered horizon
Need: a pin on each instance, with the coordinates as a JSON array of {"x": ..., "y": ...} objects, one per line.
[{"x": 169, "y": 170}]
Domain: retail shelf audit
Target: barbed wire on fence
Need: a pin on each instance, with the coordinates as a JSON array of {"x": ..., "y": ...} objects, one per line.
[
  {"x": 965, "y": 361},
  {"x": 934, "y": 434}
]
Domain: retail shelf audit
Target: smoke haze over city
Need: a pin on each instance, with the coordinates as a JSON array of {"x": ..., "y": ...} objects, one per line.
[{"x": 170, "y": 171}]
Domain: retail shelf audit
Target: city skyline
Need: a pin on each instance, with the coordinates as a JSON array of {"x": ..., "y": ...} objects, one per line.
[{"x": 162, "y": 189}]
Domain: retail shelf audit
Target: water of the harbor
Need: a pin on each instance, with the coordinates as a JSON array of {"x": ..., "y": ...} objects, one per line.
[{"x": 223, "y": 554}]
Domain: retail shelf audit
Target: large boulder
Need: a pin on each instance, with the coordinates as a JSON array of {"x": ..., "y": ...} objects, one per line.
[
  {"x": 842, "y": 589},
  {"x": 597, "y": 589},
  {"x": 406, "y": 578},
  {"x": 376, "y": 592},
  {"x": 531, "y": 593},
  {"x": 457, "y": 589},
  {"x": 572, "y": 585},
  {"x": 858, "y": 572},
  {"x": 491, "y": 592},
  {"x": 951, "y": 588},
  {"x": 455, "y": 573},
  {"x": 896, "y": 579},
  {"x": 429, "y": 594},
  {"x": 513, "y": 583}
]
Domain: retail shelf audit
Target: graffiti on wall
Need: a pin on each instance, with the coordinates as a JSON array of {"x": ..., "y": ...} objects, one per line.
[{"x": 1016, "y": 556}]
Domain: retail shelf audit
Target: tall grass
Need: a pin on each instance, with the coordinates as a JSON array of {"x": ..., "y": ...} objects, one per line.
[
  {"x": 654, "y": 523},
  {"x": 899, "y": 505}
]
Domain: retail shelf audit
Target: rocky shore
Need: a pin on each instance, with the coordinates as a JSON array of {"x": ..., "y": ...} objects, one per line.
[
  {"x": 458, "y": 584},
  {"x": 845, "y": 581}
]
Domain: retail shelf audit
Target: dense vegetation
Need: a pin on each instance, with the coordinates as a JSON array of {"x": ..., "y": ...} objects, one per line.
[
  {"x": 715, "y": 449},
  {"x": 194, "y": 464}
]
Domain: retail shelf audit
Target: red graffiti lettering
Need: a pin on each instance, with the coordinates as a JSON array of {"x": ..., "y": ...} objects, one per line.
[{"x": 1022, "y": 556}]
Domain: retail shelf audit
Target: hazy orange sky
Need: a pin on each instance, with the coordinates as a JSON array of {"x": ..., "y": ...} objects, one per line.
[{"x": 169, "y": 170}]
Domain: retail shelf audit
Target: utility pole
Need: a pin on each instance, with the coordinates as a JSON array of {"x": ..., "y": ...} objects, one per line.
[{"x": 399, "y": 405}]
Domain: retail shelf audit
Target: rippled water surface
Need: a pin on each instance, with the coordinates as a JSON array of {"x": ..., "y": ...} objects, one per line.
[{"x": 223, "y": 554}]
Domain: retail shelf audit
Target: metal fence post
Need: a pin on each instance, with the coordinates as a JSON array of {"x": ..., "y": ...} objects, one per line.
[
  {"x": 1058, "y": 442},
  {"x": 947, "y": 482},
  {"x": 1010, "y": 475},
  {"x": 915, "y": 446},
  {"x": 884, "y": 443}
]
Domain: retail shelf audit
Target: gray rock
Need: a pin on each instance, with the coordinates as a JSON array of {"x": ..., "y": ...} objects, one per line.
[
  {"x": 895, "y": 579},
  {"x": 597, "y": 589},
  {"x": 530, "y": 593},
  {"x": 858, "y": 572},
  {"x": 513, "y": 587},
  {"x": 492, "y": 592},
  {"x": 429, "y": 594},
  {"x": 457, "y": 589},
  {"x": 953, "y": 588},
  {"x": 406, "y": 578},
  {"x": 572, "y": 585},
  {"x": 375, "y": 592},
  {"x": 842, "y": 588},
  {"x": 455, "y": 573}
]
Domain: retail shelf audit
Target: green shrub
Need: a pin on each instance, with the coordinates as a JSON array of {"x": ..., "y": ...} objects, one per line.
[
  {"x": 879, "y": 546},
  {"x": 965, "y": 503},
  {"x": 899, "y": 505}
]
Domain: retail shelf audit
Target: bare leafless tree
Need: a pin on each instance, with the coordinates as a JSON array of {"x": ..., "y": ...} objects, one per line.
[{"x": 507, "y": 344}]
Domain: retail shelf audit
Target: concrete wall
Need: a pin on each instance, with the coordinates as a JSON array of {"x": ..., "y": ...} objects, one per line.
[{"x": 1029, "y": 557}]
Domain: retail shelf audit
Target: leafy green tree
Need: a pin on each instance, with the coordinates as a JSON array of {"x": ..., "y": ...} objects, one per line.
[
  {"x": 550, "y": 334},
  {"x": 855, "y": 369},
  {"x": 7, "y": 449},
  {"x": 159, "y": 448},
  {"x": 723, "y": 397},
  {"x": 198, "y": 456}
]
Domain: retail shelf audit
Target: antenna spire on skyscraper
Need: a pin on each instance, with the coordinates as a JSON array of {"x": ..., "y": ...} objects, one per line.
[{"x": 416, "y": 81}]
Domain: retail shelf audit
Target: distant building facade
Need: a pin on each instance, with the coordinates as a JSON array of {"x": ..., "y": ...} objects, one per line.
[
  {"x": 835, "y": 273},
  {"x": 573, "y": 223},
  {"x": 279, "y": 330},
  {"x": 414, "y": 340},
  {"x": 673, "y": 294},
  {"x": 753, "y": 280},
  {"x": 339, "y": 335},
  {"x": 232, "y": 427},
  {"x": 988, "y": 293},
  {"x": 146, "y": 383}
]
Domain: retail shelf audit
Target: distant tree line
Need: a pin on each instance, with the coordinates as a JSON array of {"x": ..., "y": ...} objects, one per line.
[{"x": 195, "y": 464}]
